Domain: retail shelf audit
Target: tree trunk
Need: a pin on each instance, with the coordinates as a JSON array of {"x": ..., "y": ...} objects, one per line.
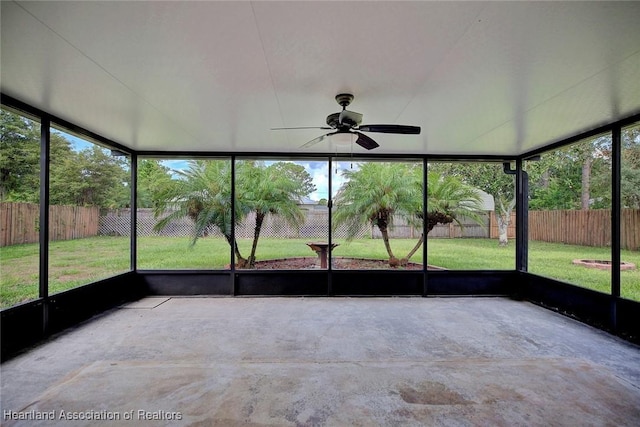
[
  {"x": 585, "y": 195},
  {"x": 385, "y": 238},
  {"x": 241, "y": 262},
  {"x": 503, "y": 227},
  {"x": 503, "y": 215},
  {"x": 404, "y": 261},
  {"x": 545, "y": 179},
  {"x": 435, "y": 218},
  {"x": 382, "y": 223},
  {"x": 256, "y": 236}
]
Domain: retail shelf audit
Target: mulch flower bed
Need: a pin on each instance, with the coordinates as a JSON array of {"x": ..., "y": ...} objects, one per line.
[{"x": 339, "y": 263}]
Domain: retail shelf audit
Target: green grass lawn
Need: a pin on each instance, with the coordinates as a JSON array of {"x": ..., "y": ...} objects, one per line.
[
  {"x": 470, "y": 254},
  {"x": 72, "y": 263},
  {"x": 77, "y": 262},
  {"x": 545, "y": 259}
]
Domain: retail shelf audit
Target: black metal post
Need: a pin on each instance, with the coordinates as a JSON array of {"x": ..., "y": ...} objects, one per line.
[
  {"x": 616, "y": 215},
  {"x": 133, "y": 242},
  {"x": 522, "y": 217},
  {"x": 330, "y": 239},
  {"x": 425, "y": 197},
  {"x": 232, "y": 231},
  {"x": 43, "y": 280}
]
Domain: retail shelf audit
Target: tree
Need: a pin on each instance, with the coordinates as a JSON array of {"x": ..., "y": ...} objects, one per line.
[
  {"x": 297, "y": 174},
  {"x": 554, "y": 182},
  {"x": 377, "y": 193},
  {"x": 448, "y": 200},
  {"x": 489, "y": 177},
  {"x": 267, "y": 191},
  {"x": 630, "y": 173},
  {"x": 594, "y": 157},
  {"x": 90, "y": 177},
  {"x": 19, "y": 158},
  {"x": 153, "y": 179},
  {"x": 374, "y": 193},
  {"x": 203, "y": 193},
  {"x": 577, "y": 176}
]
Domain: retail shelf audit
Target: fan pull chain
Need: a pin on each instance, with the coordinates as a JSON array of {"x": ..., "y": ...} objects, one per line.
[{"x": 351, "y": 151}]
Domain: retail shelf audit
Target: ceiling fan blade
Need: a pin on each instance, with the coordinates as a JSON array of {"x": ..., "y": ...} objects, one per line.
[
  {"x": 305, "y": 127},
  {"x": 317, "y": 140},
  {"x": 365, "y": 142},
  {"x": 406, "y": 130}
]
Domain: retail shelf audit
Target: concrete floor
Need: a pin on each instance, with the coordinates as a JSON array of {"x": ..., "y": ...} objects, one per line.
[{"x": 326, "y": 361}]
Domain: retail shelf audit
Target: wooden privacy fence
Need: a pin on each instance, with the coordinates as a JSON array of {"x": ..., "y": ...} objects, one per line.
[
  {"x": 586, "y": 228},
  {"x": 630, "y": 229},
  {"x": 20, "y": 223}
]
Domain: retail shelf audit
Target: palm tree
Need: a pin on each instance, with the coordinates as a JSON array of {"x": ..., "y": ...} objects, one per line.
[
  {"x": 377, "y": 192},
  {"x": 374, "y": 194},
  {"x": 449, "y": 199},
  {"x": 202, "y": 193},
  {"x": 267, "y": 191}
]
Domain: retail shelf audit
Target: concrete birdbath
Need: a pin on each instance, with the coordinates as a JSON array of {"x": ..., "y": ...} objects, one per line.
[{"x": 321, "y": 248}]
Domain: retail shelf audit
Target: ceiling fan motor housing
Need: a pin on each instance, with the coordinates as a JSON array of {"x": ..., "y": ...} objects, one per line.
[
  {"x": 344, "y": 99},
  {"x": 333, "y": 120},
  {"x": 350, "y": 120},
  {"x": 345, "y": 119}
]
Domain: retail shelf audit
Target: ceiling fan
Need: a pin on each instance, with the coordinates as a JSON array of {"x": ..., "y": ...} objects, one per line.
[{"x": 349, "y": 122}]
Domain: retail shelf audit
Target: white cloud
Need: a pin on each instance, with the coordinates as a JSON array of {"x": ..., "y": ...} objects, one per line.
[
  {"x": 320, "y": 174},
  {"x": 321, "y": 181},
  {"x": 175, "y": 165}
]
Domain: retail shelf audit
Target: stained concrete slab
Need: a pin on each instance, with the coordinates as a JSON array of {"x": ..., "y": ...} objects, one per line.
[{"x": 328, "y": 361}]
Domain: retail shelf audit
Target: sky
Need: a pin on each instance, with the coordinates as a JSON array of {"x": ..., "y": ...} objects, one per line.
[
  {"x": 77, "y": 144},
  {"x": 320, "y": 174},
  {"x": 319, "y": 170}
]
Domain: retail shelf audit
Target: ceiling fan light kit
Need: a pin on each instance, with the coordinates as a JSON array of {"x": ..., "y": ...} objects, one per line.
[{"x": 349, "y": 122}]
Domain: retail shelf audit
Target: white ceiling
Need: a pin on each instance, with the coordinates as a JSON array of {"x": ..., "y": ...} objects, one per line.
[{"x": 480, "y": 78}]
